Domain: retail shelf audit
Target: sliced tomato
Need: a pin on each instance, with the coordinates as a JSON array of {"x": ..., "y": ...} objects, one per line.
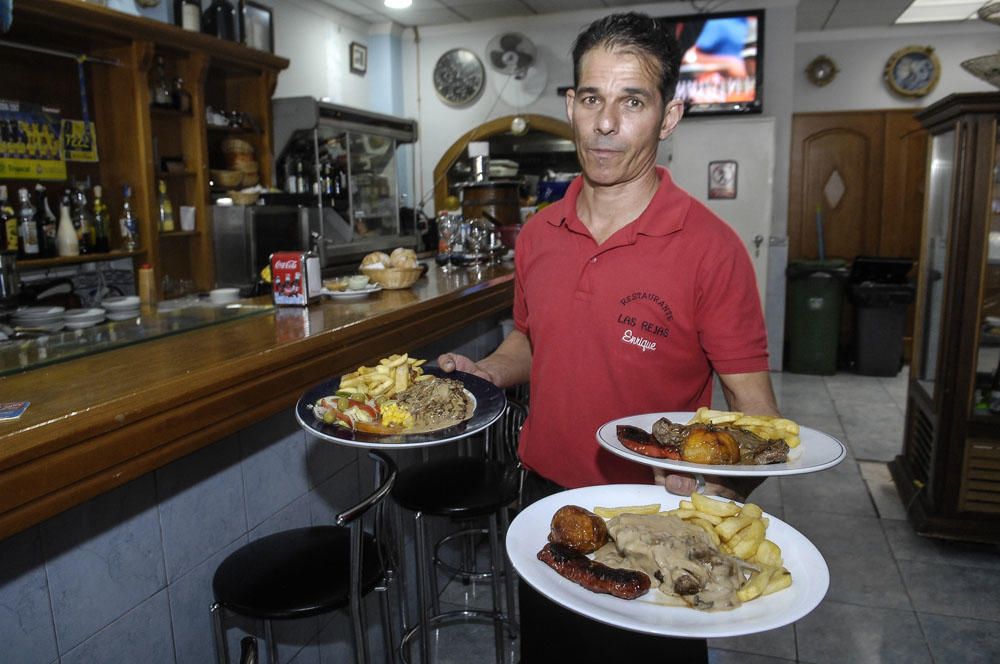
[
  {"x": 374, "y": 427},
  {"x": 361, "y": 405}
]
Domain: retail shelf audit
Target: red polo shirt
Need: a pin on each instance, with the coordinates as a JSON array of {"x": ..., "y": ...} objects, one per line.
[{"x": 635, "y": 325}]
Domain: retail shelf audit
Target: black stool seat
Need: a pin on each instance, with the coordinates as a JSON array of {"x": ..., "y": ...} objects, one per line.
[
  {"x": 294, "y": 573},
  {"x": 459, "y": 487}
]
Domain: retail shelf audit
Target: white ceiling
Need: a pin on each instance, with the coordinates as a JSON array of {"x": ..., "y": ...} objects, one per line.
[{"x": 812, "y": 14}]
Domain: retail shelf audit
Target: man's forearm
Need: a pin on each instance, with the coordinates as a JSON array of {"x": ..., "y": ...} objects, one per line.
[
  {"x": 750, "y": 393},
  {"x": 510, "y": 363}
]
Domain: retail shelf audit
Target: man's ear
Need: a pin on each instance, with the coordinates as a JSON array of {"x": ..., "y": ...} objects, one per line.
[
  {"x": 673, "y": 115},
  {"x": 570, "y": 98}
]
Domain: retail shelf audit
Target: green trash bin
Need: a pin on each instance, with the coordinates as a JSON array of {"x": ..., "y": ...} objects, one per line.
[{"x": 815, "y": 298}]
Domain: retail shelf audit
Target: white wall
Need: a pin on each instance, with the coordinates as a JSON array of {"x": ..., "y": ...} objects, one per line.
[
  {"x": 860, "y": 55},
  {"x": 316, "y": 39}
]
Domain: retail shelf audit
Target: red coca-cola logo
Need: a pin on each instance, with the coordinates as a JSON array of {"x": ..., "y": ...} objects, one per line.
[{"x": 290, "y": 264}]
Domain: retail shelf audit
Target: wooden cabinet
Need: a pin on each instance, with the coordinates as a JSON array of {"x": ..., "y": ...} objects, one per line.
[
  {"x": 949, "y": 472},
  {"x": 120, "y": 53}
]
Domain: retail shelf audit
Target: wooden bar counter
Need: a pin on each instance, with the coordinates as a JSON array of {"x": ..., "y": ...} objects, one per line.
[{"x": 99, "y": 421}]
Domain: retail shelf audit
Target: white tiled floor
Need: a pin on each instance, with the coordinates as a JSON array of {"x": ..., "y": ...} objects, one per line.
[{"x": 894, "y": 597}]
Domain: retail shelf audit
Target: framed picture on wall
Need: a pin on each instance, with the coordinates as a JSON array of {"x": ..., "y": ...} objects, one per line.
[
  {"x": 359, "y": 58},
  {"x": 258, "y": 26},
  {"x": 722, "y": 179}
]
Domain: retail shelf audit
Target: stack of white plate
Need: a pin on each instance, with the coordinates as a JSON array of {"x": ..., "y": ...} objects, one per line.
[
  {"x": 44, "y": 318},
  {"x": 77, "y": 319},
  {"x": 121, "y": 308}
]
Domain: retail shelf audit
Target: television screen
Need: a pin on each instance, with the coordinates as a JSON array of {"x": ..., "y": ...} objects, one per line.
[{"x": 721, "y": 61}]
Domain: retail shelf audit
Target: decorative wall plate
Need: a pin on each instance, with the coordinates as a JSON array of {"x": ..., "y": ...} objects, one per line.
[
  {"x": 821, "y": 70},
  {"x": 459, "y": 76},
  {"x": 912, "y": 71}
]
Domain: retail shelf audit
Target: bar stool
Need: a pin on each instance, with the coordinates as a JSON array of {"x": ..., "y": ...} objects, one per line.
[
  {"x": 310, "y": 571},
  {"x": 463, "y": 488}
]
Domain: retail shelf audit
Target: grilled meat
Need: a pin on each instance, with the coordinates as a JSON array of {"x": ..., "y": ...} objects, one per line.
[
  {"x": 435, "y": 402},
  {"x": 578, "y": 529},
  {"x": 703, "y": 443},
  {"x": 595, "y": 577}
]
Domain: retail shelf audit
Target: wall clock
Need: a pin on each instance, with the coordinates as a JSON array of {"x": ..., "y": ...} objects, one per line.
[
  {"x": 821, "y": 71},
  {"x": 912, "y": 71},
  {"x": 459, "y": 76}
]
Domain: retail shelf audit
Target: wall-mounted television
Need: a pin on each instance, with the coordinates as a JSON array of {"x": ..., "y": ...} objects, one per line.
[{"x": 721, "y": 61}]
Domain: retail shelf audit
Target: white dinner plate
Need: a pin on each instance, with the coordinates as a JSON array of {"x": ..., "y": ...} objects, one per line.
[
  {"x": 126, "y": 314},
  {"x": 39, "y": 313},
  {"x": 529, "y": 533},
  {"x": 120, "y": 303},
  {"x": 83, "y": 324},
  {"x": 84, "y": 314},
  {"x": 817, "y": 450},
  {"x": 352, "y": 294}
]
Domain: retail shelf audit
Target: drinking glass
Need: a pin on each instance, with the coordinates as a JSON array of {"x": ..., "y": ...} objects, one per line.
[{"x": 448, "y": 229}]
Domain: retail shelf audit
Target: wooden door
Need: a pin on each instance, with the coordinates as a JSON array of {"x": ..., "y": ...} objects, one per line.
[{"x": 826, "y": 148}]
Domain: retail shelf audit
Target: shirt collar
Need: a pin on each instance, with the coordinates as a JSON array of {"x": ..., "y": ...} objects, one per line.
[{"x": 665, "y": 213}]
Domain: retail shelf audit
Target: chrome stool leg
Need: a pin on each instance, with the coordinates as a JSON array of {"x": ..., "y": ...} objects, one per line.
[
  {"x": 221, "y": 647},
  {"x": 495, "y": 584},
  {"x": 508, "y": 578},
  {"x": 272, "y": 647},
  {"x": 422, "y": 590}
]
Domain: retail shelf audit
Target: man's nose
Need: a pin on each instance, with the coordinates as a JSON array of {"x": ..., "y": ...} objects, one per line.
[{"x": 607, "y": 121}]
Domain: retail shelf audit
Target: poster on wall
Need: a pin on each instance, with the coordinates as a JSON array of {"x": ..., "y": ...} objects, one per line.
[
  {"x": 30, "y": 142},
  {"x": 79, "y": 140}
]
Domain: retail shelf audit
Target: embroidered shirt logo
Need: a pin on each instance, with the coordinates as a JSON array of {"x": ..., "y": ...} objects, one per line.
[{"x": 641, "y": 332}]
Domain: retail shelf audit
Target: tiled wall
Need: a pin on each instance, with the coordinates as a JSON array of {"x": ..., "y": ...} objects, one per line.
[{"x": 126, "y": 577}]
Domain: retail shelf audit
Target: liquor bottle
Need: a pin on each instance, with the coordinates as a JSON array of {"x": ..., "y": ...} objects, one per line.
[
  {"x": 82, "y": 221},
  {"x": 46, "y": 221},
  {"x": 102, "y": 243},
  {"x": 67, "y": 241},
  {"x": 27, "y": 227},
  {"x": 161, "y": 95},
  {"x": 181, "y": 97},
  {"x": 8, "y": 224},
  {"x": 291, "y": 183},
  {"x": 127, "y": 223},
  {"x": 187, "y": 14},
  {"x": 220, "y": 20},
  {"x": 166, "y": 210}
]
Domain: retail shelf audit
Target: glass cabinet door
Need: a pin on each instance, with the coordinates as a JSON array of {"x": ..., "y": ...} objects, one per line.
[
  {"x": 374, "y": 202},
  {"x": 934, "y": 260},
  {"x": 987, "y": 365}
]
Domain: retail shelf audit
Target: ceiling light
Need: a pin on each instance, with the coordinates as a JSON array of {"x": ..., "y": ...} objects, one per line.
[
  {"x": 398, "y": 4},
  {"x": 929, "y": 11}
]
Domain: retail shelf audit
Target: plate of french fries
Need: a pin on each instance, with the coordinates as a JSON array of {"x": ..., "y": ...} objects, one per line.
[
  {"x": 792, "y": 579},
  {"x": 374, "y": 386},
  {"x": 810, "y": 450}
]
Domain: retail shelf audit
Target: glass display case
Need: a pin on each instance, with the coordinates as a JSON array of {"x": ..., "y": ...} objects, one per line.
[
  {"x": 948, "y": 473},
  {"x": 345, "y": 164}
]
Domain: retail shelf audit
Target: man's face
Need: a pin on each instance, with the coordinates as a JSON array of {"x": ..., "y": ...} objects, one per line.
[{"x": 618, "y": 116}]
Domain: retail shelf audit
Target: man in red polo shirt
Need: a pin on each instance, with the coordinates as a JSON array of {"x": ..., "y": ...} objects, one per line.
[{"x": 628, "y": 295}]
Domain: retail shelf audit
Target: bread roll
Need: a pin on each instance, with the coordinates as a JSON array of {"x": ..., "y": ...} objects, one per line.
[
  {"x": 402, "y": 257},
  {"x": 377, "y": 259}
]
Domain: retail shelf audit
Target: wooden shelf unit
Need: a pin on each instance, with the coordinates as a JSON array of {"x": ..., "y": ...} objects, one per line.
[{"x": 131, "y": 134}]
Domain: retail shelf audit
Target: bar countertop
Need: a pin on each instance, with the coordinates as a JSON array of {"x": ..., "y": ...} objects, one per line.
[{"x": 99, "y": 421}]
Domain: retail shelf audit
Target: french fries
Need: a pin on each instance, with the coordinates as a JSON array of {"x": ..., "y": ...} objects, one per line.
[
  {"x": 766, "y": 426},
  {"x": 741, "y": 532},
  {"x": 609, "y": 512},
  {"x": 388, "y": 378}
]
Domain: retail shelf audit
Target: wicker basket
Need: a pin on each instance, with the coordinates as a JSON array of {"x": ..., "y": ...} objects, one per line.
[
  {"x": 392, "y": 278},
  {"x": 244, "y": 197}
]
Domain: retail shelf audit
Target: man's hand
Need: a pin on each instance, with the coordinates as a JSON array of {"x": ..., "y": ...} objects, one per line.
[
  {"x": 681, "y": 484},
  {"x": 454, "y": 362}
]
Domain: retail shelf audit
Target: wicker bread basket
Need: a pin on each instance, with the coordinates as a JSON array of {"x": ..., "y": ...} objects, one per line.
[
  {"x": 244, "y": 197},
  {"x": 392, "y": 278}
]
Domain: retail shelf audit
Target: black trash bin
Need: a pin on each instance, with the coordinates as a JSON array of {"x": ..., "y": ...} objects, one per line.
[
  {"x": 881, "y": 293},
  {"x": 815, "y": 298}
]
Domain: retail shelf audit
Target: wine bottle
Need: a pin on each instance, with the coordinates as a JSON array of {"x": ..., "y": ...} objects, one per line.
[
  {"x": 8, "y": 224},
  {"x": 166, "y": 210},
  {"x": 102, "y": 242},
  {"x": 220, "y": 20}
]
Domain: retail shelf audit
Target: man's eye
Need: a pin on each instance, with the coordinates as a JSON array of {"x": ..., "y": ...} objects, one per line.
[
  {"x": 590, "y": 99},
  {"x": 633, "y": 102}
]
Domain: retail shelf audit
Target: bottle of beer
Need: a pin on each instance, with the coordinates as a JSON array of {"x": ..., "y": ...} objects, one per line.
[
  {"x": 8, "y": 224},
  {"x": 102, "y": 243},
  {"x": 27, "y": 226},
  {"x": 82, "y": 222}
]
